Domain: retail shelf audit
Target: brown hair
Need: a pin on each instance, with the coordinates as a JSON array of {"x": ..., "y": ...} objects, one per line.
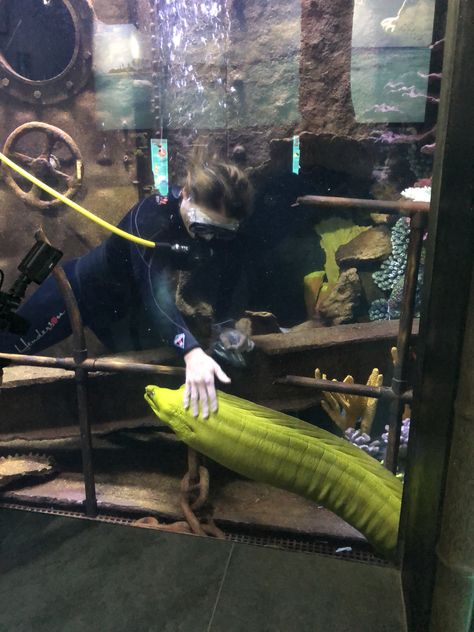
[{"x": 220, "y": 185}]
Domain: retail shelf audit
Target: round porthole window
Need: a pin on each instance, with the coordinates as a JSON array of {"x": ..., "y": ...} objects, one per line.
[{"x": 45, "y": 48}]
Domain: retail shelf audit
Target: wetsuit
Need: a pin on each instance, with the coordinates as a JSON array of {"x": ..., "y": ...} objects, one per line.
[{"x": 118, "y": 280}]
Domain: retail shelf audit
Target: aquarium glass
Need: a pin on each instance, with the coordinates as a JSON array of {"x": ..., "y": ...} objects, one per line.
[
  {"x": 391, "y": 60},
  {"x": 254, "y": 160}
]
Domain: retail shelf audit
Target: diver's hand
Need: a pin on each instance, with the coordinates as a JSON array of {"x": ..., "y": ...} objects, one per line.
[{"x": 201, "y": 371}]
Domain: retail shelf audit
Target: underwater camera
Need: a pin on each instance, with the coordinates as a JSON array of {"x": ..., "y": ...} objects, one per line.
[{"x": 34, "y": 268}]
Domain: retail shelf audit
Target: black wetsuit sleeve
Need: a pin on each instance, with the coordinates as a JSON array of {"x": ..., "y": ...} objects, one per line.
[
  {"x": 151, "y": 269},
  {"x": 155, "y": 285}
]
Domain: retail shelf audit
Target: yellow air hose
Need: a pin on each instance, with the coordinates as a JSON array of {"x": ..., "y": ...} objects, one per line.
[{"x": 74, "y": 205}]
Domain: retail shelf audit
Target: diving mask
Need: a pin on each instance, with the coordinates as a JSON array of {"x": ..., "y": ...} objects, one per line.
[{"x": 200, "y": 224}]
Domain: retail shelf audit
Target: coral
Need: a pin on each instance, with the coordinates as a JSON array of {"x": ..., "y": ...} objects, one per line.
[
  {"x": 382, "y": 309},
  {"x": 335, "y": 232},
  {"x": 378, "y": 447},
  {"x": 348, "y": 410},
  {"x": 378, "y": 309},
  {"x": 313, "y": 283},
  {"x": 404, "y": 436},
  {"x": 418, "y": 193},
  {"x": 362, "y": 440},
  {"x": 393, "y": 268}
]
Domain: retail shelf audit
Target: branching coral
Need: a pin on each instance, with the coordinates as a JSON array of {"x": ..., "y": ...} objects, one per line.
[{"x": 346, "y": 410}]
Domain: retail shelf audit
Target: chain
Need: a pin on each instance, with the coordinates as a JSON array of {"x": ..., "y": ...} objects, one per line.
[{"x": 195, "y": 499}]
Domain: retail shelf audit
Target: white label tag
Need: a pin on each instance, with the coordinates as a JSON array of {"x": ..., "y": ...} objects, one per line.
[{"x": 179, "y": 340}]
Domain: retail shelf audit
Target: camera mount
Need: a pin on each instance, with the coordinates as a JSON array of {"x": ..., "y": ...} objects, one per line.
[{"x": 34, "y": 268}]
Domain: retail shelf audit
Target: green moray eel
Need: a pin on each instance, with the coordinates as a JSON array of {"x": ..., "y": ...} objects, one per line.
[{"x": 274, "y": 448}]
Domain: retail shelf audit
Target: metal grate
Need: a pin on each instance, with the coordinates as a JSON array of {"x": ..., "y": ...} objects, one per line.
[
  {"x": 353, "y": 552},
  {"x": 303, "y": 545},
  {"x": 68, "y": 514}
]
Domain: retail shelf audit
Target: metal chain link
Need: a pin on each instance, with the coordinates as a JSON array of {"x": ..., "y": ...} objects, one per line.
[{"x": 194, "y": 499}]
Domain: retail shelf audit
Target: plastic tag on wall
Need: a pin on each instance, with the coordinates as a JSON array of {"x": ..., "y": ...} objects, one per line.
[
  {"x": 296, "y": 154},
  {"x": 159, "y": 165}
]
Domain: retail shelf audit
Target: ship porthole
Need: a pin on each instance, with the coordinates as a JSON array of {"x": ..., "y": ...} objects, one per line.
[{"x": 45, "y": 48}]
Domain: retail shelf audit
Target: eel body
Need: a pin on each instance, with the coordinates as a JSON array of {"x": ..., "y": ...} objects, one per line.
[{"x": 274, "y": 448}]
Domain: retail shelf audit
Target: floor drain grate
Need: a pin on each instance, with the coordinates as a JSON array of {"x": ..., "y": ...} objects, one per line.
[
  {"x": 302, "y": 545},
  {"x": 342, "y": 551}
]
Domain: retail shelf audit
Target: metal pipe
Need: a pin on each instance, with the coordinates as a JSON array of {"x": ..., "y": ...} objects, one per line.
[
  {"x": 374, "y": 206},
  {"x": 453, "y": 596},
  {"x": 92, "y": 365},
  {"x": 80, "y": 377},
  {"x": 407, "y": 314},
  {"x": 332, "y": 386}
]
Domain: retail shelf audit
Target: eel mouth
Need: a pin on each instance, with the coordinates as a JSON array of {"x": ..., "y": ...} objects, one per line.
[{"x": 149, "y": 396}]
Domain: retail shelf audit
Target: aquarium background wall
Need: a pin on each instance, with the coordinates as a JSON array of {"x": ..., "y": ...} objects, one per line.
[{"x": 241, "y": 77}]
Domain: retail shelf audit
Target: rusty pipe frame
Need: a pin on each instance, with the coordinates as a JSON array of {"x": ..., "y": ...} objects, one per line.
[
  {"x": 333, "y": 386},
  {"x": 80, "y": 376},
  {"x": 374, "y": 206},
  {"x": 407, "y": 314},
  {"x": 91, "y": 365}
]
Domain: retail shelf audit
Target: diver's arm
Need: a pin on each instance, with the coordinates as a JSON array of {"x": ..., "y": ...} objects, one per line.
[
  {"x": 154, "y": 283},
  {"x": 157, "y": 296},
  {"x": 201, "y": 369}
]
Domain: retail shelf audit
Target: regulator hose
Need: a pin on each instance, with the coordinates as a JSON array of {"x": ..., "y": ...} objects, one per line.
[{"x": 77, "y": 207}]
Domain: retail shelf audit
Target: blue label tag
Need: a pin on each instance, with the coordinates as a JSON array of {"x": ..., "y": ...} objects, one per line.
[
  {"x": 159, "y": 165},
  {"x": 296, "y": 154}
]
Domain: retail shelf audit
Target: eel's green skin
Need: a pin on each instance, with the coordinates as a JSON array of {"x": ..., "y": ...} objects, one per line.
[{"x": 277, "y": 449}]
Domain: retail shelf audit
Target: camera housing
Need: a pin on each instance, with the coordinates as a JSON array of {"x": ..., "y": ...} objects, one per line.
[{"x": 35, "y": 267}]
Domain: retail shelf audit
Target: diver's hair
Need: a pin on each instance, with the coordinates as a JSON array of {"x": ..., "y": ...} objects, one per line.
[{"x": 220, "y": 185}]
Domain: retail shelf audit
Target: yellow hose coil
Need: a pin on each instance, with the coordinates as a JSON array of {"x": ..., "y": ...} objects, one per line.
[{"x": 74, "y": 205}]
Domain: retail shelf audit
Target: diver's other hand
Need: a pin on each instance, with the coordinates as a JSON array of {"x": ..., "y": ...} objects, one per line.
[{"x": 201, "y": 371}]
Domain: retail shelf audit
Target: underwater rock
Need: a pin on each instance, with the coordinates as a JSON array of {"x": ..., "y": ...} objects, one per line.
[
  {"x": 370, "y": 290},
  {"x": 307, "y": 325},
  {"x": 258, "y": 324},
  {"x": 340, "y": 305},
  {"x": 371, "y": 246},
  {"x": 381, "y": 218},
  {"x": 342, "y": 154}
]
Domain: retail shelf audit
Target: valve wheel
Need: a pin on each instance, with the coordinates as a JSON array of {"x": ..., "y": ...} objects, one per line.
[{"x": 58, "y": 164}]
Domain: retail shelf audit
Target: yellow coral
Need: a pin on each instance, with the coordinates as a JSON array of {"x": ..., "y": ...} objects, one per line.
[
  {"x": 345, "y": 410},
  {"x": 335, "y": 232}
]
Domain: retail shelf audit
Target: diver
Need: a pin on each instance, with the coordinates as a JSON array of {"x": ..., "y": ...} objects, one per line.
[{"x": 118, "y": 278}]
